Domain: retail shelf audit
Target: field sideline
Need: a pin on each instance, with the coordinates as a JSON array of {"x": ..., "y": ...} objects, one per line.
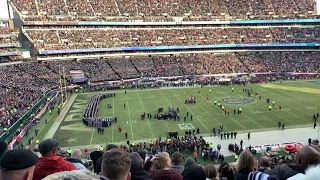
[{"x": 300, "y": 101}]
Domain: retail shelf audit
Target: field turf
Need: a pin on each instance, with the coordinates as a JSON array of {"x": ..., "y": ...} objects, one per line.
[{"x": 300, "y": 101}]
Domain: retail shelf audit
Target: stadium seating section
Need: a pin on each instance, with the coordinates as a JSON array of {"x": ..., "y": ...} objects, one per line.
[
  {"x": 162, "y": 10},
  {"x": 80, "y": 38},
  {"x": 8, "y": 36}
]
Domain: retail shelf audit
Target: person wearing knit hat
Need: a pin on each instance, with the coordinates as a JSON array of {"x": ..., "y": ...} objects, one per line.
[
  {"x": 63, "y": 153},
  {"x": 3, "y": 147},
  {"x": 136, "y": 169},
  {"x": 18, "y": 164},
  {"x": 50, "y": 162}
]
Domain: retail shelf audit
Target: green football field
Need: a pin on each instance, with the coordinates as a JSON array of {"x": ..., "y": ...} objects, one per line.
[{"x": 300, "y": 101}]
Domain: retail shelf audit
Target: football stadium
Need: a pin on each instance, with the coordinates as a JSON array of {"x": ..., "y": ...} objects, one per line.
[{"x": 160, "y": 89}]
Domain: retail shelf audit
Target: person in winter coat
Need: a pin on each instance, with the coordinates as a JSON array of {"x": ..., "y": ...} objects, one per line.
[
  {"x": 136, "y": 170},
  {"x": 75, "y": 159},
  {"x": 50, "y": 162},
  {"x": 160, "y": 168},
  {"x": 192, "y": 171},
  {"x": 95, "y": 155},
  {"x": 225, "y": 171},
  {"x": 176, "y": 162},
  {"x": 245, "y": 165}
]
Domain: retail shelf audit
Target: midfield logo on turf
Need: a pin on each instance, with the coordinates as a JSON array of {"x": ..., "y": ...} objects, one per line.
[
  {"x": 238, "y": 101},
  {"x": 314, "y": 81},
  {"x": 186, "y": 126}
]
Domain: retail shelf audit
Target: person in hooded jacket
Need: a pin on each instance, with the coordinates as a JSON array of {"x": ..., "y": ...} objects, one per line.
[
  {"x": 192, "y": 171},
  {"x": 50, "y": 162},
  {"x": 176, "y": 162},
  {"x": 160, "y": 168}
]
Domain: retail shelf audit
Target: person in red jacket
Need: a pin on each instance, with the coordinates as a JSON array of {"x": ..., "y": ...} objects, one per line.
[
  {"x": 161, "y": 168},
  {"x": 50, "y": 162}
]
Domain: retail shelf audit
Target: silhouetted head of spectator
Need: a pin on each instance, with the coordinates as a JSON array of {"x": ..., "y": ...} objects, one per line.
[
  {"x": 176, "y": 158},
  {"x": 189, "y": 161},
  {"x": 63, "y": 153},
  {"x": 246, "y": 160},
  {"x": 48, "y": 147},
  {"x": 3, "y": 147},
  {"x": 225, "y": 171},
  {"x": 18, "y": 164},
  {"x": 76, "y": 153},
  {"x": 97, "y": 148},
  {"x": 111, "y": 146},
  {"x": 210, "y": 171},
  {"x": 264, "y": 161},
  {"x": 136, "y": 162},
  {"x": 143, "y": 154},
  {"x": 116, "y": 164},
  {"x": 307, "y": 155}
]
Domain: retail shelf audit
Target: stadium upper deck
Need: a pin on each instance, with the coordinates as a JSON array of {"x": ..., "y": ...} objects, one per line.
[
  {"x": 83, "y": 38},
  {"x": 8, "y": 43},
  {"x": 162, "y": 10}
]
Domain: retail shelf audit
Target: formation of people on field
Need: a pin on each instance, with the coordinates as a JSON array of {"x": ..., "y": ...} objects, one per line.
[{"x": 90, "y": 114}]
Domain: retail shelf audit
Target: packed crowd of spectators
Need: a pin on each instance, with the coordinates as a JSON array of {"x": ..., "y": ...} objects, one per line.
[
  {"x": 4, "y": 30},
  {"x": 149, "y": 10},
  {"x": 80, "y": 38},
  {"x": 23, "y": 85},
  {"x": 8, "y": 36},
  {"x": 157, "y": 160}
]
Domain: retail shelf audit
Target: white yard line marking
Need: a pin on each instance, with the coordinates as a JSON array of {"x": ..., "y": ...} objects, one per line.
[
  {"x": 92, "y": 136},
  {"x": 245, "y": 114},
  {"x": 188, "y": 109},
  {"x": 266, "y": 89},
  {"x": 145, "y": 111},
  {"x": 130, "y": 118},
  {"x": 207, "y": 112},
  {"x": 157, "y": 108},
  {"x": 304, "y": 97},
  {"x": 220, "y": 110},
  {"x": 274, "y": 113}
]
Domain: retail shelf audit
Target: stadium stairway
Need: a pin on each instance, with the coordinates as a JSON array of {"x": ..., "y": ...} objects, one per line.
[
  {"x": 114, "y": 70},
  {"x": 135, "y": 66}
]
